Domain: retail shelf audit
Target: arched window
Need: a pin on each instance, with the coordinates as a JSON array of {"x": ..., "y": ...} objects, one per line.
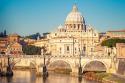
[
  {"x": 60, "y": 50},
  {"x": 67, "y": 48},
  {"x": 74, "y": 26},
  {"x": 78, "y": 26},
  {"x": 84, "y": 48}
]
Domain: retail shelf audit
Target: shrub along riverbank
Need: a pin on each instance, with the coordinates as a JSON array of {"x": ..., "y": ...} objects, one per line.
[
  {"x": 103, "y": 77},
  {"x": 62, "y": 71}
]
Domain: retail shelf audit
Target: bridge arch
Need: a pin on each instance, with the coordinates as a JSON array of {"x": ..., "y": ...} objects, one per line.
[
  {"x": 95, "y": 65},
  {"x": 60, "y": 65}
]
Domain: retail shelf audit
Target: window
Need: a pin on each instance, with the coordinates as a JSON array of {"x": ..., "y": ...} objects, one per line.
[
  {"x": 94, "y": 34},
  {"x": 75, "y": 50},
  {"x": 60, "y": 50},
  {"x": 67, "y": 48},
  {"x": 75, "y": 40},
  {"x": 91, "y": 49},
  {"x": 84, "y": 48},
  {"x": 79, "y": 49},
  {"x": 74, "y": 26},
  {"x": 78, "y": 26},
  {"x": 14, "y": 39}
]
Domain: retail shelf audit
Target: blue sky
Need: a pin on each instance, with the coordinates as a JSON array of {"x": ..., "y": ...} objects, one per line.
[{"x": 30, "y": 16}]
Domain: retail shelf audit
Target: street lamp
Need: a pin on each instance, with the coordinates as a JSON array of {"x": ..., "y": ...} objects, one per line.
[
  {"x": 80, "y": 67},
  {"x": 73, "y": 46},
  {"x": 45, "y": 72},
  {"x": 9, "y": 69}
]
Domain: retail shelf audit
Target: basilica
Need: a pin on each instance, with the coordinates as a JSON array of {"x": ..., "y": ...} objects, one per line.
[{"x": 75, "y": 37}]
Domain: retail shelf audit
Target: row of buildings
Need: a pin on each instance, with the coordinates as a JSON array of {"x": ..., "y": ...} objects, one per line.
[
  {"x": 10, "y": 43},
  {"x": 71, "y": 39},
  {"x": 76, "y": 37}
]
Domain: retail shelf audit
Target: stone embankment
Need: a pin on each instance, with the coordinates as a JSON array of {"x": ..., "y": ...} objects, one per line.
[{"x": 103, "y": 77}]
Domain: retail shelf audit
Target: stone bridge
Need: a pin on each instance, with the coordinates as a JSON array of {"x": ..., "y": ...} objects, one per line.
[{"x": 88, "y": 63}]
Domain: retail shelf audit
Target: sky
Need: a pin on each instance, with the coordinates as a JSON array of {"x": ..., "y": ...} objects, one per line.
[{"x": 26, "y": 17}]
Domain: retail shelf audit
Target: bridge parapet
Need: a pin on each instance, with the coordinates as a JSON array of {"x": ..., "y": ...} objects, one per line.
[
  {"x": 32, "y": 56},
  {"x": 66, "y": 56},
  {"x": 96, "y": 57}
]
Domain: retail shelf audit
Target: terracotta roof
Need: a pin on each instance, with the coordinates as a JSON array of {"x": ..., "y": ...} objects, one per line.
[
  {"x": 117, "y": 31},
  {"x": 14, "y": 34}
]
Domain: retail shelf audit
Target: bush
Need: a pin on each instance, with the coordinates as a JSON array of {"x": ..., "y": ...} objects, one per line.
[
  {"x": 31, "y": 50},
  {"x": 112, "y": 42}
]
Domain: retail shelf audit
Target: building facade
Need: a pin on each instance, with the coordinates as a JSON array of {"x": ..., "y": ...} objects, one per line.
[
  {"x": 120, "y": 50},
  {"x": 10, "y": 43},
  {"x": 116, "y": 34},
  {"x": 72, "y": 39},
  {"x": 3, "y": 44},
  {"x": 16, "y": 49},
  {"x": 13, "y": 38}
]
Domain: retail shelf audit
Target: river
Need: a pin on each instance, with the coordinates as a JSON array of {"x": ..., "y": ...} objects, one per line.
[{"x": 30, "y": 77}]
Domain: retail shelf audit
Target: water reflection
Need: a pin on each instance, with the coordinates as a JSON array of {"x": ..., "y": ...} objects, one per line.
[
  {"x": 80, "y": 79},
  {"x": 30, "y": 77},
  {"x": 9, "y": 79}
]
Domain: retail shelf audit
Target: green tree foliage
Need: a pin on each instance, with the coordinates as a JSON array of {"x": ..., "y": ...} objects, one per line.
[
  {"x": 31, "y": 50},
  {"x": 3, "y": 34},
  {"x": 112, "y": 42},
  {"x": 33, "y": 36}
]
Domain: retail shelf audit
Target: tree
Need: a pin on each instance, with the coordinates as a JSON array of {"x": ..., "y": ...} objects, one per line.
[
  {"x": 31, "y": 50},
  {"x": 112, "y": 42},
  {"x": 34, "y": 36},
  {"x": 1, "y": 34},
  {"x": 4, "y": 33}
]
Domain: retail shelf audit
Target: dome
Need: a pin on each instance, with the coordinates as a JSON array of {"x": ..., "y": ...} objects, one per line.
[
  {"x": 74, "y": 17},
  {"x": 60, "y": 27}
]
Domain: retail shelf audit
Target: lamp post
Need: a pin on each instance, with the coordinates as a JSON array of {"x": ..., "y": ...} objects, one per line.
[
  {"x": 73, "y": 46},
  {"x": 45, "y": 72},
  {"x": 80, "y": 67},
  {"x": 9, "y": 69}
]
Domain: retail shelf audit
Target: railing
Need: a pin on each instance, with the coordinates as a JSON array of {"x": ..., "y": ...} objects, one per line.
[
  {"x": 94, "y": 56},
  {"x": 97, "y": 57}
]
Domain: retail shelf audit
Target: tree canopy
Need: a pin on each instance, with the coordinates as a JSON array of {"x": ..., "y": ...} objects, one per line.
[
  {"x": 3, "y": 34},
  {"x": 31, "y": 50},
  {"x": 112, "y": 42},
  {"x": 33, "y": 36}
]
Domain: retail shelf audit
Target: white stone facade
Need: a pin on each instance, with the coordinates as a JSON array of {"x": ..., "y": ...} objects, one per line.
[{"x": 73, "y": 38}]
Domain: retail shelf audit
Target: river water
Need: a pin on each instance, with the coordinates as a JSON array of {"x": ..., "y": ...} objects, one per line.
[{"x": 30, "y": 77}]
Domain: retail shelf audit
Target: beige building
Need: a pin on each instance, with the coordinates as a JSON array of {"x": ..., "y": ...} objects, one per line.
[
  {"x": 16, "y": 49},
  {"x": 116, "y": 34},
  {"x": 3, "y": 44},
  {"x": 11, "y": 44},
  {"x": 71, "y": 39},
  {"x": 120, "y": 50},
  {"x": 29, "y": 41},
  {"x": 13, "y": 38}
]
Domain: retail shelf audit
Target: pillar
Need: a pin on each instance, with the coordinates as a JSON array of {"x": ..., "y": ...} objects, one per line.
[{"x": 74, "y": 71}]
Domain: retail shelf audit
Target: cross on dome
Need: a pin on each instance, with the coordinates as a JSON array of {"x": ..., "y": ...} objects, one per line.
[{"x": 75, "y": 9}]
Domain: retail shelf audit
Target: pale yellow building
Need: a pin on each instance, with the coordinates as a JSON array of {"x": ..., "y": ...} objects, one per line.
[
  {"x": 13, "y": 38},
  {"x": 16, "y": 49},
  {"x": 120, "y": 50},
  {"x": 71, "y": 39},
  {"x": 116, "y": 34}
]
